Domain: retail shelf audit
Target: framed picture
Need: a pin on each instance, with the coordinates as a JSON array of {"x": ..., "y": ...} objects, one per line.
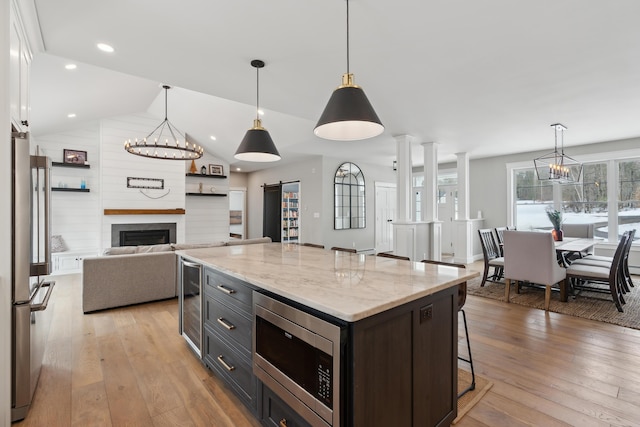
[
  {"x": 215, "y": 170},
  {"x": 74, "y": 156}
]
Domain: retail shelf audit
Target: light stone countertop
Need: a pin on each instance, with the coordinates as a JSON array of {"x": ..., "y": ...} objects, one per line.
[{"x": 347, "y": 286}]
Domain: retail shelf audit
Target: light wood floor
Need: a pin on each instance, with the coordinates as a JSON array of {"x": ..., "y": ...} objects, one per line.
[{"x": 129, "y": 367}]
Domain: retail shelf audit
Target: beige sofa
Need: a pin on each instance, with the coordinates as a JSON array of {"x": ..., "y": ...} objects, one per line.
[{"x": 136, "y": 274}]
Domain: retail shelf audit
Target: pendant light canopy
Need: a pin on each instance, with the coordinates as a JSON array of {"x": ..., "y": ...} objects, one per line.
[
  {"x": 557, "y": 166},
  {"x": 257, "y": 145},
  {"x": 348, "y": 115},
  {"x": 161, "y": 145}
]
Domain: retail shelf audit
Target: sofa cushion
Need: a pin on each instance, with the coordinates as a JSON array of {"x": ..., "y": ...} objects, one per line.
[{"x": 142, "y": 249}]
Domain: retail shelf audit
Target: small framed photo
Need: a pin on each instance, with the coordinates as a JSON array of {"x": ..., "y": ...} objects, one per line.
[
  {"x": 215, "y": 170},
  {"x": 74, "y": 156}
]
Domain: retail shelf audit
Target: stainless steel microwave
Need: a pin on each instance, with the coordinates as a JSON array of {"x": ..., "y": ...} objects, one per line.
[{"x": 298, "y": 356}]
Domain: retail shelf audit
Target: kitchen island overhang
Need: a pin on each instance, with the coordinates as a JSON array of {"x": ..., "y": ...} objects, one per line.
[
  {"x": 348, "y": 286},
  {"x": 395, "y": 362}
]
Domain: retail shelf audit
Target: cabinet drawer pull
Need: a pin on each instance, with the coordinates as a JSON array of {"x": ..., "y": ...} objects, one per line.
[
  {"x": 283, "y": 422},
  {"x": 226, "y": 324},
  {"x": 225, "y": 364},
  {"x": 226, "y": 290}
]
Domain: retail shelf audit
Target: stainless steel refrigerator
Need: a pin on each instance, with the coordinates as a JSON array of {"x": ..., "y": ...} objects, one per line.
[{"x": 31, "y": 261}]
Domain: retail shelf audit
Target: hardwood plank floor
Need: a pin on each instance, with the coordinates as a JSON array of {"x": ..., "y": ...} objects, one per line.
[{"x": 129, "y": 366}]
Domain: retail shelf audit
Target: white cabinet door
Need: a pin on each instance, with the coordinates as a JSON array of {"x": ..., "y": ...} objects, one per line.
[{"x": 19, "y": 64}]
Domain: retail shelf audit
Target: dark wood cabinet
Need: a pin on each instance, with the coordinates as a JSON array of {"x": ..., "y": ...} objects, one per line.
[
  {"x": 404, "y": 365},
  {"x": 228, "y": 323},
  {"x": 400, "y": 366}
]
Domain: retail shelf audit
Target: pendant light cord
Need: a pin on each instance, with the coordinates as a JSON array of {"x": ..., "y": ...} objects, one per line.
[
  {"x": 257, "y": 93},
  {"x": 347, "y": 36},
  {"x": 166, "y": 90}
]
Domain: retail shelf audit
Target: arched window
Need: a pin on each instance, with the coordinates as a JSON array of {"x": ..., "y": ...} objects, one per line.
[{"x": 349, "y": 197}]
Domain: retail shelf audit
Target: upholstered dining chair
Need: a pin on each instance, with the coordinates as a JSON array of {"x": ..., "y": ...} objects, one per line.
[
  {"x": 604, "y": 279},
  {"x": 492, "y": 256},
  {"x": 462, "y": 298},
  {"x": 531, "y": 256}
]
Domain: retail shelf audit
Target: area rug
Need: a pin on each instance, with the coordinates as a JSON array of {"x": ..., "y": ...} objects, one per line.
[
  {"x": 588, "y": 305},
  {"x": 466, "y": 402}
]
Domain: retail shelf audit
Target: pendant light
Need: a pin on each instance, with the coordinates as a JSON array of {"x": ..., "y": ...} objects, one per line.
[
  {"x": 257, "y": 145},
  {"x": 165, "y": 141},
  {"x": 348, "y": 115},
  {"x": 557, "y": 166}
]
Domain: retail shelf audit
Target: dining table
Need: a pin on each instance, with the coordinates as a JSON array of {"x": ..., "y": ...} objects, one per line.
[{"x": 576, "y": 244}]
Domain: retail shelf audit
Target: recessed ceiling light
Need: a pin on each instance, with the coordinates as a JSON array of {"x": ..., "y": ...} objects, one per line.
[
  {"x": 71, "y": 115},
  {"x": 105, "y": 47},
  {"x": 238, "y": 169},
  {"x": 261, "y": 112},
  {"x": 213, "y": 137},
  {"x": 71, "y": 66}
]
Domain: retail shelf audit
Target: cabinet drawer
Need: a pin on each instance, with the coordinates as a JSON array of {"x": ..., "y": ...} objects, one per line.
[
  {"x": 230, "y": 366},
  {"x": 230, "y": 324},
  {"x": 229, "y": 290},
  {"x": 276, "y": 413}
]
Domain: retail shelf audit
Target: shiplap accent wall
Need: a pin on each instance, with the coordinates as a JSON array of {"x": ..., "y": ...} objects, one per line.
[
  {"x": 79, "y": 217},
  {"x": 206, "y": 219},
  {"x": 74, "y": 216}
]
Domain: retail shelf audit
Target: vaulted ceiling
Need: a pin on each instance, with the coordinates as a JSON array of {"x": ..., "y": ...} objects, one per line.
[{"x": 483, "y": 77}]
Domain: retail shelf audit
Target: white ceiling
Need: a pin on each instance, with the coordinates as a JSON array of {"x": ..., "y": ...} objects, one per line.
[{"x": 484, "y": 77}]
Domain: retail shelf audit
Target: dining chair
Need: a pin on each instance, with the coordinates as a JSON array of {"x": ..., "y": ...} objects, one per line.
[
  {"x": 388, "y": 255},
  {"x": 624, "y": 276},
  {"x": 462, "y": 298},
  {"x": 492, "y": 256},
  {"x": 500, "y": 238},
  {"x": 313, "y": 245},
  {"x": 350, "y": 250},
  {"x": 530, "y": 256},
  {"x": 601, "y": 279}
]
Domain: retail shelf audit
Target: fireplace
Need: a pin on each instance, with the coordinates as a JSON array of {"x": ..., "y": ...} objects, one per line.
[{"x": 142, "y": 234}]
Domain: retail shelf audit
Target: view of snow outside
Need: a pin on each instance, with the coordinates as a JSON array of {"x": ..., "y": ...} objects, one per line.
[{"x": 531, "y": 215}]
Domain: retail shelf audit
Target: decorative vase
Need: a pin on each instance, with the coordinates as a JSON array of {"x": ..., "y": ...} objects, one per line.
[
  {"x": 557, "y": 235},
  {"x": 193, "y": 168}
]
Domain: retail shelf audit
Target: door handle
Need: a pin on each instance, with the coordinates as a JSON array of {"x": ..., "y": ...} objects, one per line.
[{"x": 43, "y": 305}]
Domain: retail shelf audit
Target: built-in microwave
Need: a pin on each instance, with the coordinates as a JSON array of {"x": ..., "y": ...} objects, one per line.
[{"x": 298, "y": 356}]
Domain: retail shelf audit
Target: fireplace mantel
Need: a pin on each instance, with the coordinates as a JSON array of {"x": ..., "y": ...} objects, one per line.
[{"x": 144, "y": 211}]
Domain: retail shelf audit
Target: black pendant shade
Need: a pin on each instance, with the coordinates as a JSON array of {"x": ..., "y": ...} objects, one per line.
[
  {"x": 257, "y": 145},
  {"x": 348, "y": 116}
]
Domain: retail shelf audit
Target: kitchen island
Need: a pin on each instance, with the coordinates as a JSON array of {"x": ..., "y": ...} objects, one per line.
[{"x": 397, "y": 321}]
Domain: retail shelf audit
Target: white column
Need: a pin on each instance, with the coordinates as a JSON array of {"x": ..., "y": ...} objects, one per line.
[
  {"x": 403, "y": 178},
  {"x": 430, "y": 184},
  {"x": 463, "y": 185}
]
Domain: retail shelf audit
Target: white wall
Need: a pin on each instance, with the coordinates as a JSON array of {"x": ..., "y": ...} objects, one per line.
[
  {"x": 75, "y": 216},
  {"x": 309, "y": 173},
  {"x": 363, "y": 238},
  {"x": 316, "y": 196},
  {"x": 5, "y": 222},
  {"x": 488, "y": 186}
]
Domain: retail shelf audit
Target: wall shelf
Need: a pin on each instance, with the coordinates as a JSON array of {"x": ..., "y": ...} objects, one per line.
[
  {"x": 207, "y": 194},
  {"x": 199, "y": 175},
  {"x": 77, "y": 190},
  {"x": 70, "y": 165}
]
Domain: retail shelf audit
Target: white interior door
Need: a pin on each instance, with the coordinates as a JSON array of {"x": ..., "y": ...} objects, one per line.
[
  {"x": 237, "y": 214},
  {"x": 447, "y": 213},
  {"x": 385, "y": 203}
]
